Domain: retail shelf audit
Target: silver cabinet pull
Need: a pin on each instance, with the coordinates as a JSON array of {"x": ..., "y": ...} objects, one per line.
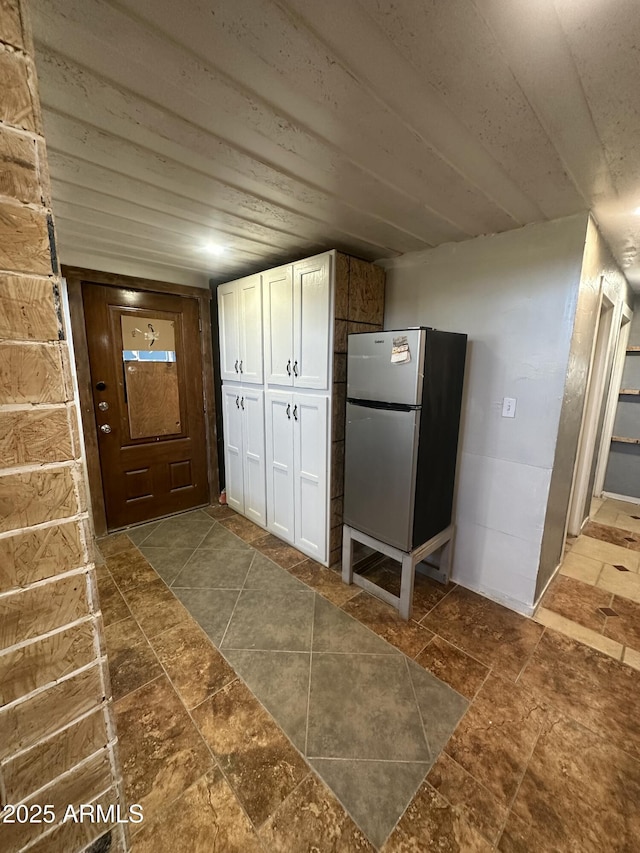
[
  {"x": 295, "y": 368},
  {"x": 237, "y": 402},
  {"x": 242, "y": 404},
  {"x": 105, "y": 428},
  {"x": 289, "y": 410},
  {"x": 295, "y": 412},
  {"x": 240, "y": 365},
  {"x": 289, "y": 367},
  {"x": 236, "y": 365}
]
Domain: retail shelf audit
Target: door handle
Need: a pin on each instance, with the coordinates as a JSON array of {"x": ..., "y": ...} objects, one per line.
[
  {"x": 295, "y": 412},
  {"x": 295, "y": 368},
  {"x": 240, "y": 365},
  {"x": 242, "y": 404},
  {"x": 289, "y": 367},
  {"x": 105, "y": 428},
  {"x": 237, "y": 402},
  {"x": 289, "y": 410},
  {"x": 236, "y": 365}
]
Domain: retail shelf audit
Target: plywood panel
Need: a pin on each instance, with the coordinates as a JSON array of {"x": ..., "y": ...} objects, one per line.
[
  {"x": 75, "y": 836},
  {"x": 38, "y": 554},
  {"x": 45, "y": 661},
  {"x": 11, "y": 32},
  {"x": 28, "y": 499},
  {"x": 32, "y": 437},
  {"x": 41, "y": 764},
  {"x": 31, "y": 374},
  {"x": 25, "y": 724},
  {"x": 366, "y": 292},
  {"x": 28, "y": 613},
  {"x": 27, "y": 309},
  {"x": 18, "y": 175},
  {"x": 82, "y": 785},
  {"x": 24, "y": 240},
  {"x": 16, "y": 107},
  {"x": 153, "y": 398}
]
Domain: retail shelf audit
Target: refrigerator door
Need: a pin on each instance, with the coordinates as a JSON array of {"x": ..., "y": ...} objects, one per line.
[
  {"x": 371, "y": 373},
  {"x": 380, "y": 470}
]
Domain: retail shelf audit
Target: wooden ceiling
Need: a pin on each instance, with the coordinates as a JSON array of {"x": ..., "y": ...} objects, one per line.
[{"x": 279, "y": 129}]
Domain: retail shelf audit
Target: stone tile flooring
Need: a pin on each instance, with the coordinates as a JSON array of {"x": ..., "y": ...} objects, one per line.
[
  {"x": 256, "y": 697},
  {"x": 595, "y": 598}
]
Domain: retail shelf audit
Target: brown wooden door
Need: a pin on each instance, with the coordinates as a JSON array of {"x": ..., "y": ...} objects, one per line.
[{"x": 146, "y": 375}]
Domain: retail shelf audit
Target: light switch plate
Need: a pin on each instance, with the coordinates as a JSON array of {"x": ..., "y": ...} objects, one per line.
[{"x": 509, "y": 407}]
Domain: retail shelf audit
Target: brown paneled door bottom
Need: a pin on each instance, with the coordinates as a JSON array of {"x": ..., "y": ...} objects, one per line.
[{"x": 146, "y": 374}]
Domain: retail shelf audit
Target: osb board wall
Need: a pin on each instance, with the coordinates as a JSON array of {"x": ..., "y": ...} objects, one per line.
[
  {"x": 359, "y": 307},
  {"x": 57, "y": 739}
]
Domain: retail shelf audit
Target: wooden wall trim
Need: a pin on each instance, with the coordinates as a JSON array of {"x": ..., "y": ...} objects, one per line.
[{"x": 81, "y": 274}]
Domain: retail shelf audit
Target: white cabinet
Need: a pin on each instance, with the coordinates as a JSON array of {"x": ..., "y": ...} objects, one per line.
[
  {"x": 297, "y": 476},
  {"x": 240, "y": 321},
  {"x": 298, "y": 323},
  {"x": 244, "y": 446}
]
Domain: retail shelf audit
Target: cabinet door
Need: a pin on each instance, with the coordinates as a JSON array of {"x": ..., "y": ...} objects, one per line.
[
  {"x": 229, "y": 325},
  {"x": 279, "y": 462},
  {"x": 249, "y": 295},
  {"x": 252, "y": 409},
  {"x": 232, "y": 422},
  {"x": 278, "y": 326},
  {"x": 310, "y": 474},
  {"x": 312, "y": 322}
]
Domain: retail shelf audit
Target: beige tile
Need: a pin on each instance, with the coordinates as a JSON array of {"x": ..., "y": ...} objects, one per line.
[
  {"x": 631, "y": 657},
  {"x": 596, "y": 503},
  {"x": 625, "y": 584},
  {"x": 585, "y": 635},
  {"x": 626, "y": 522},
  {"x": 605, "y": 552},
  {"x": 581, "y": 568}
]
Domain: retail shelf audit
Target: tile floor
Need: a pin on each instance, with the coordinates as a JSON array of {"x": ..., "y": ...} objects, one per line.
[
  {"x": 595, "y": 598},
  {"x": 529, "y": 739}
]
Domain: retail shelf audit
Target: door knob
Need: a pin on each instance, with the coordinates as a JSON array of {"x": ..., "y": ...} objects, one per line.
[{"x": 105, "y": 428}]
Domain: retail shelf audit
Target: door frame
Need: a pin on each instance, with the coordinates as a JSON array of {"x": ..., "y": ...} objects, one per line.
[
  {"x": 600, "y": 364},
  {"x": 75, "y": 276}
]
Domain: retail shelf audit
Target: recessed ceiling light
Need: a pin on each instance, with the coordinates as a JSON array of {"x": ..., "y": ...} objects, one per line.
[{"x": 214, "y": 248}]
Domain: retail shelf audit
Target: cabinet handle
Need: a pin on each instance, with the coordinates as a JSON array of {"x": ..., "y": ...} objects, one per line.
[
  {"x": 237, "y": 403},
  {"x": 236, "y": 365},
  {"x": 242, "y": 404},
  {"x": 295, "y": 368},
  {"x": 240, "y": 365},
  {"x": 289, "y": 367},
  {"x": 295, "y": 412},
  {"x": 289, "y": 410}
]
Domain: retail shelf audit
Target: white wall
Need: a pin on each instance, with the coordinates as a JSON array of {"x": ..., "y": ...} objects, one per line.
[{"x": 515, "y": 295}]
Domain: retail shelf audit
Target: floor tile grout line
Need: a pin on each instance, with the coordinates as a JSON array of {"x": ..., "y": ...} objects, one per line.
[
  {"x": 313, "y": 628},
  {"x": 415, "y": 699},
  {"x": 170, "y": 585}
]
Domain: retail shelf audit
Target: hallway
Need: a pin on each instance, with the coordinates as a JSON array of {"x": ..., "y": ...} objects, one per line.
[{"x": 214, "y": 731}]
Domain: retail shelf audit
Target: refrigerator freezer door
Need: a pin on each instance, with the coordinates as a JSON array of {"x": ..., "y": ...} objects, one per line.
[
  {"x": 380, "y": 469},
  {"x": 371, "y": 373}
]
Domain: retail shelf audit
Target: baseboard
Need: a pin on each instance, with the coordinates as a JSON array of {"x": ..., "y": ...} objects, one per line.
[{"x": 626, "y": 498}]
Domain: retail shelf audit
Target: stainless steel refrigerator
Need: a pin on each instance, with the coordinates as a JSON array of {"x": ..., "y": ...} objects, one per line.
[{"x": 404, "y": 395}]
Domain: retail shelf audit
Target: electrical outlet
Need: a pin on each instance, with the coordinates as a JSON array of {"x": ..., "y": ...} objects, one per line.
[{"x": 509, "y": 407}]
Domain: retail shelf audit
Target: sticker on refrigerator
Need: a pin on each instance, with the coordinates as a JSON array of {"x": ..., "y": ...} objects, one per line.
[{"x": 400, "y": 353}]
